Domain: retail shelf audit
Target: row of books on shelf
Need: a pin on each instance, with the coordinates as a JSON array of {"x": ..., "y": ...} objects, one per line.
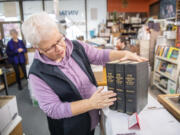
[
  {"x": 130, "y": 81},
  {"x": 166, "y": 84},
  {"x": 167, "y": 52},
  {"x": 167, "y": 68}
]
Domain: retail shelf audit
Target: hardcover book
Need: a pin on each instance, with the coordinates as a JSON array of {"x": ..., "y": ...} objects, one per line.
[
  {"x": 136, "y": 86},
  {"x": 110, "y": 71}
]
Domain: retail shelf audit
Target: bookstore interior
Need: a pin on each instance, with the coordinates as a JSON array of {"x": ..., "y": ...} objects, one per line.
[{"x": 88, "y": 67}]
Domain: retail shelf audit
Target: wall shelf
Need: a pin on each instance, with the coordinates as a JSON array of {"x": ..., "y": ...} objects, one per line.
[{"x": 168, "y": 60}]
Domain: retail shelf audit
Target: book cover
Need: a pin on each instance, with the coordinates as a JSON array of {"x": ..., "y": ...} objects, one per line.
[
  {"x": 136, "y": 86},
  {"x": 166, "y": 52},
  {"x": 169, "y": 69},
  {"x": 121, "y": 103},
  {"x": 174, "y": 54},
  {"x": 163, "y": 66},
  {"x": 170, "y": 51},
  {"x": 111, "y": 84},
  {"x": 120, "y": 88},
  {"x": 157, "y": 49},
  {"x": 161, "y": 51}
]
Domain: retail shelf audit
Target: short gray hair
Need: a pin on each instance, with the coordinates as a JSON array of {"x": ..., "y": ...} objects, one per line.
[
  {"x": 13, "y": 31},
  {"x": 37, "y": 27}
]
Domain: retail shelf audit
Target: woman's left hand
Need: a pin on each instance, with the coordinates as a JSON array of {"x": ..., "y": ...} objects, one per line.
[{"x": 133, "y": 57}]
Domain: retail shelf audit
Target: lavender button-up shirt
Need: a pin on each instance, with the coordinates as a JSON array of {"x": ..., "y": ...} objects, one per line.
[{"x": 48, "y": 101}]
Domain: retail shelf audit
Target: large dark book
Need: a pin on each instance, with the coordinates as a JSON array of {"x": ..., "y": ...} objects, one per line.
[
  {"x": 110, "y": 71},
  {"x": 120, "y": 88},
  {"x": 136, "y": 86}
]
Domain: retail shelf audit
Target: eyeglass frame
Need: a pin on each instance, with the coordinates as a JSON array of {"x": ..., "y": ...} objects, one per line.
[{"x": 53, "y": 47}]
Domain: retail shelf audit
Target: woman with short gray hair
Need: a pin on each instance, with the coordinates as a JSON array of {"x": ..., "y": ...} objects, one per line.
[
  {"x": 15, "y": 51},
  {"x": 62, "y": 79}
]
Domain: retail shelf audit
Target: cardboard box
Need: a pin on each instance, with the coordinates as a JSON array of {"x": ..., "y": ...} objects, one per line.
[
  {"x": 8, "y": 110},
  {"x": 99, "y": 76},
  {"x": 98, "y": 72}
]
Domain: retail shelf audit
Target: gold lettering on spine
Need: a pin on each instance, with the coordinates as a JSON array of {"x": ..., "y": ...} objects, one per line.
[
  {"x": 130, "y": 80},
  {"x": 110, "y": 77},
  {"x": 119, "y": 79},
  {"x": 130, "y": 100},
  {"x": 130, "y": 91},
  {"x": 119, "y": 90}
]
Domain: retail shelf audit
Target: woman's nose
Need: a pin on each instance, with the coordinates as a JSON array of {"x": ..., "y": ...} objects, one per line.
[{"x": 59, "y": 48}]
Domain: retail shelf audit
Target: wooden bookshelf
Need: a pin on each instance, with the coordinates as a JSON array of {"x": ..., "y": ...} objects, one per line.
[{"x": 174, "y": 79}]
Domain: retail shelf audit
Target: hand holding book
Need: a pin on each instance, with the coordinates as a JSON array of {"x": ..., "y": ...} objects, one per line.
[
  {"x": 124, "y": 56},
  {"x": 101, "y": 99},
  {"x": 133, "y": 57}
]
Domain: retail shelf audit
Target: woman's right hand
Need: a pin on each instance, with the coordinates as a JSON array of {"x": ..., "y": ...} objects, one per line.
[{"x": 101, "y": 99}]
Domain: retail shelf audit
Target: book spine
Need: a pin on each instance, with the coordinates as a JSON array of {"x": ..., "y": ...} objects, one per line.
[
  {"x": 110, "y": 70},
  {"x": 120, "y": 87},
  {"x": 130, "y": 88}
]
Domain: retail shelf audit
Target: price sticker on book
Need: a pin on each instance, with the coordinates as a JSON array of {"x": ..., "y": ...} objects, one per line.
[{"x": 133, "y": 121}]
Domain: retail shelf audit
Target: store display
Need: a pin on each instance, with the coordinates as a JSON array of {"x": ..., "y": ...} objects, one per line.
[{"x": 124, "y": 79}]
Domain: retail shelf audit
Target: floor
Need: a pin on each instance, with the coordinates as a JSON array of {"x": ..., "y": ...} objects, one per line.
[{"x": 33, "y": 119}]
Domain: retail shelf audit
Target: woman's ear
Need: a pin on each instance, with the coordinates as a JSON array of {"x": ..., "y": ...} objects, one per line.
[
  {"x": 35, "y": 47},
  {"x": 39, "y": 50}
]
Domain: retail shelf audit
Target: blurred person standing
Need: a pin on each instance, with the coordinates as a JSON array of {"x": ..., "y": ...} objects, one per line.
[{"x": 15, "y": 51}]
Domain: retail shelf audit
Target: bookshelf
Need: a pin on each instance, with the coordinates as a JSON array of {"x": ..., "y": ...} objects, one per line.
[
  {"x": 166, "y": 59},
  {"x": 166, "y": 69},
  {"x": 166, "y": 75},
  {"x": 159, "y": 87}
]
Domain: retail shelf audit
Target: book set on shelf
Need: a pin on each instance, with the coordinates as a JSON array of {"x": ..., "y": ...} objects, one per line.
[{"x": 166, "y": 69}]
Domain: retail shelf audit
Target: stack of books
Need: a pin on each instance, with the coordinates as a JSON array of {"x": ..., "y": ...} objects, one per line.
[
  {"x": 167, "y": 52},
  {"x": 130, "y": 81}
]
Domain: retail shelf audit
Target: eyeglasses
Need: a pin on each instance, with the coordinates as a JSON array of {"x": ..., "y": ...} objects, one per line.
[{"x": 53, "y": 47}]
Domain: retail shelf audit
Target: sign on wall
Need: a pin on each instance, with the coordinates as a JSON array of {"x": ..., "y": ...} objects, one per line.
[{"x": 69, "y": 13}]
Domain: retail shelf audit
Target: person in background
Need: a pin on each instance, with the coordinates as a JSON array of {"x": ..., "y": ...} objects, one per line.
[
  {"x": 15, "y": 51},
  {"x": 121, "y": 44},
  {"x": 62, "y": 79},
  {"x": 1, "y": 46}
]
